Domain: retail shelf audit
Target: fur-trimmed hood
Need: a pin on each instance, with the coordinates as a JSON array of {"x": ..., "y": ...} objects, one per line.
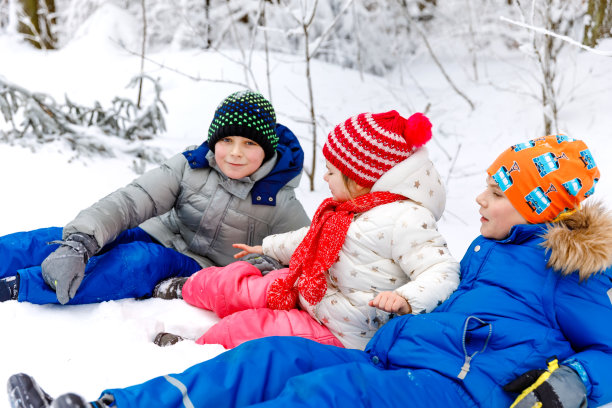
[{"x": 581, "y": 242}]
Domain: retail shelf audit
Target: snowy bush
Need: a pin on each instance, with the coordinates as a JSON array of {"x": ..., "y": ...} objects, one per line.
[{"x": 32, "y": 118}]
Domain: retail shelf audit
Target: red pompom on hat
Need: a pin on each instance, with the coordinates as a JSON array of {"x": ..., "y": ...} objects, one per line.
[{"x": 365, "y": 146}]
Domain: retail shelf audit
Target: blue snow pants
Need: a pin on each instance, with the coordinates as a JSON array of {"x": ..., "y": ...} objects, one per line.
[
  {"x": 293, "y": 372},
  {"x": 128, "y": 267}
]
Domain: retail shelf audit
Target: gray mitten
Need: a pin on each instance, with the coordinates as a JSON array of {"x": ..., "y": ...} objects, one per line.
[
  {"x": 556, "y": 387},
  {"x": 64, "y": 268},
  {"x": 263, "y": 262}
]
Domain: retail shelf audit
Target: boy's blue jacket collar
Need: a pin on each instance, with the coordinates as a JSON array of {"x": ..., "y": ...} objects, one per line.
[
  {"x": 289, "y": 162},
  {"x": 521, "y": 233}
]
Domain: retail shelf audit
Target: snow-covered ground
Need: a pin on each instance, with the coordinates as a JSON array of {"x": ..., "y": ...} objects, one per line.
[{"x": 92, "y": 347}]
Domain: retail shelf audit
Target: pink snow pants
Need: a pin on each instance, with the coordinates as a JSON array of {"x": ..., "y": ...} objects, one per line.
[{"x": 237, "y": 294}]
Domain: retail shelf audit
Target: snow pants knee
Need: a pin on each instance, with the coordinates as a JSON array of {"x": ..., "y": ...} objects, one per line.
[
  {"x": 129, "y": 267},
  {"x": 293, "y": 372},
  {"x": 237, "y": 294}
]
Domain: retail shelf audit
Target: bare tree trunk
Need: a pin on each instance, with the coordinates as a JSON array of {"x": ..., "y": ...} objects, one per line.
[
  {"x": 358, "y": 41},
  {"x": 36, "y": 22},
  {"x": 4, "y": 13},
  {"x": 207, "y": 15},
  {"x": 472, "y": 45},
  {"x": 596, "y": 28},
  {"x": 142, "y": 51},
  {"x": 30, "y": 11},
  {"x": 267, "y": 52},
  {"x": 549, "y": 99},
  {"x": 313, "y": 117},
  {"x": 309, "y": 53}
]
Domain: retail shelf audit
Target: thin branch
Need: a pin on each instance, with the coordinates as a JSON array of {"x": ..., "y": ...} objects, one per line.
[
  {"x": 142, "y": 50},
  {"x": 559, "y": 36},
  {"x": 176, "y": 71},
  {"x": 437, "y": 62},
  {"x": 452, "y": 167},
  {"x": 329, "y": 28},
  {"x": 312, "y": 16}
]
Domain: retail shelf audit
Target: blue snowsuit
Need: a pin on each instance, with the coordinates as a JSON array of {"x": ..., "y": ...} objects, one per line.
[
  {"x": 129, "y": 267},
  {"x": 510, "y": 313},
  {"x": 133, "y": 260}
]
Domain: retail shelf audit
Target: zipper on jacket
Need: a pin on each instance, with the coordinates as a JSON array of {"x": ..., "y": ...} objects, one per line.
[
  {"x": 251, "y": 232},
  {"x": 468, "y": 358}
]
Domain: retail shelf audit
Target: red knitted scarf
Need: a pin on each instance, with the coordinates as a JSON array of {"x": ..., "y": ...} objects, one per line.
[{"x": 319, "y": 250}]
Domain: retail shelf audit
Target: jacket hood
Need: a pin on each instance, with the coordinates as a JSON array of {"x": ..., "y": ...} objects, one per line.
[
  {"x": 416, "y": 178},
  {"x": 581, "y": 242},
  {"x": 286, "y": 171}
]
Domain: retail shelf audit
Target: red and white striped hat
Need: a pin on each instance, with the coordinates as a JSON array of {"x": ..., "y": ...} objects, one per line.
[{"x": 365, "y": 146}]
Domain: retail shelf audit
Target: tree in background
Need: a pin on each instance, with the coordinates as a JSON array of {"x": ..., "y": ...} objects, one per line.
[
  {"x": 562, "y": 18},
  {"x": 599, "y": 22},
  {"x": 4, "y": 14},
  {"x": 377, "y": 37},
  {"x": 36, "y": 22}
]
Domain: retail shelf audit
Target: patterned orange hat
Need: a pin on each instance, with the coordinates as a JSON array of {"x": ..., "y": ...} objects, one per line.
[{"x": 547, "y": 177}]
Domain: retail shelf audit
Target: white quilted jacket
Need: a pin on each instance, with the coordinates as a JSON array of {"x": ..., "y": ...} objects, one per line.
[{"x": 392, "y": 247}]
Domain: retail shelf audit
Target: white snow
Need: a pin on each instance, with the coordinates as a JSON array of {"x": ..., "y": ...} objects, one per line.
[{"x": 91, "y": 347}]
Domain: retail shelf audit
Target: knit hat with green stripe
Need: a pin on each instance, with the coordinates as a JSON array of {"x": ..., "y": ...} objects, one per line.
[{"x": 247, "y": 114}]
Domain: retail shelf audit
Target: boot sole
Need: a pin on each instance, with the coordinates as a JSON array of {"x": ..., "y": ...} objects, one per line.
[{"x": 24, "y": 392}]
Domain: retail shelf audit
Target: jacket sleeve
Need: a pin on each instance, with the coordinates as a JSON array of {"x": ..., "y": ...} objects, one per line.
[
  {"x": 154, "y": 193},
  {"x": 423, "y": 255},
  {"x": 584, "y": 313},
  {"x": 282, "y": 246}
]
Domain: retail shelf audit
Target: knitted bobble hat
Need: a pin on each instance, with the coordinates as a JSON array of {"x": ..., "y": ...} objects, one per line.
[
  {"x": 247, "y": 114},
  {"x": 365, "y": 146}
]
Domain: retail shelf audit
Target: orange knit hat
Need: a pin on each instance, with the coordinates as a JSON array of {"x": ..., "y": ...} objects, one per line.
[{"x": 547, "y": 177}]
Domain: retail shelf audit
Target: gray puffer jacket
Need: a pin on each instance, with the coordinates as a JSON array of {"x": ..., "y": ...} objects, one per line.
[{"x": 199, "y": 211}]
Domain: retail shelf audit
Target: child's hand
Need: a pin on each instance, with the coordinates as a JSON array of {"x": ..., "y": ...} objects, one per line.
[
  {"x": 246, "y": 249},
  {"x": 391, "y": 302}
]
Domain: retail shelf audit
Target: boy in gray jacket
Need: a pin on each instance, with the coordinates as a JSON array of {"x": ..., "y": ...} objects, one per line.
[{"x": 238, "y": 186}]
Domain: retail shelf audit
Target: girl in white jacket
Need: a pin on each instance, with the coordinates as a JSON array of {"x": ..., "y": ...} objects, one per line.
[{"x": 372, "y": 250}]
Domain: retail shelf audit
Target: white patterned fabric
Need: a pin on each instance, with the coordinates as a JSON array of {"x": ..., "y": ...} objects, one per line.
[{"x": 393, "y": 247}]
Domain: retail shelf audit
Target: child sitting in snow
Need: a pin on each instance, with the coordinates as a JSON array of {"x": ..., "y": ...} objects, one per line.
[
  {"x": 173, "y": 220},
  {"x": 532, "y": 313},
  {"x": 372, "y": 249}
]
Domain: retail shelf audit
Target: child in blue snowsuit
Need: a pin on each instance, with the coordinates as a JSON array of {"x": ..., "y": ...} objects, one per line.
[
  {"x": 173, "y": 220},
  {"x": 535, "y": 302}
]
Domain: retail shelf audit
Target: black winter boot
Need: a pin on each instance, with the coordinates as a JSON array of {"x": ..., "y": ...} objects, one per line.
[
  {"x": 167, "y": 339},
  {"x": 171, "y": 288},
  {"x": 24, "y": 392},
  {"x": 71, "y": 400},
  {"x": 9, "y": 288}
]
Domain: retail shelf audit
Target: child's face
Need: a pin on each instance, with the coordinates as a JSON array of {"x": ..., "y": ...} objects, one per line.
[
  {"x": 238, "y": 157},
  {"x": 334, "y": 180},
  {"x": 337, "y": 186},
  {"x": 498, "y": 214}
]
